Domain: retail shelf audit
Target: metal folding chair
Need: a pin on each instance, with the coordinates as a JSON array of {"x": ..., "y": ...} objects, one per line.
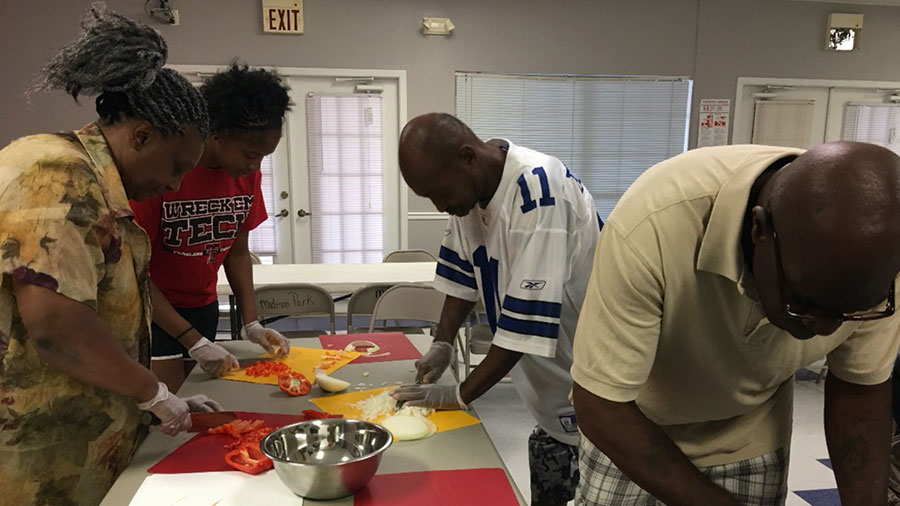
[
  {"x": 295, "y": 300},
  {"x": 409, "y": 255},
  {"x": 413, "y": 301}
]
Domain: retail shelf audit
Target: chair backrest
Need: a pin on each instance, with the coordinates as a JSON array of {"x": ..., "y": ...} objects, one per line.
[
  {"x": 362, "y": 301},
  {"x": 409, "y": 255},
  {"x": 300, "y": 299},
  {"x": 254, "y": 258},
  {"x": 409, "y": 301}
]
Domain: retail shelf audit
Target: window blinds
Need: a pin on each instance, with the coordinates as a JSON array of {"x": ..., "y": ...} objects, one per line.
[
  {"x": 783, "y": 123},
  {"x": 606, "y": 130},
  {"x": 873, "y": 123},
  {"x": 344, "y": 139},
  {"x": 262, "y": 238}
]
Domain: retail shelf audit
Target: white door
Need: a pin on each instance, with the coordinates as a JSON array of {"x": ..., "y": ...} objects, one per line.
[
  {"x": 287, "y": 236},
  {"x": 869, "y": 105},
  {"x": 277, "y": 205},
  {"x": 294, "y": 183},
  {"x": 784, "y": 116},
  {"x": 876, "y": 124}
]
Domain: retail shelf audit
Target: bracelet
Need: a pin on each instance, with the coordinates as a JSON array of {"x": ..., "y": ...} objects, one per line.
[{"x": 179, "y": 336}]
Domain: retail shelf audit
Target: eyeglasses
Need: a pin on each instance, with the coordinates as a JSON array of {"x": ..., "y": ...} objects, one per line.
[{"x": 787, "y": 296}]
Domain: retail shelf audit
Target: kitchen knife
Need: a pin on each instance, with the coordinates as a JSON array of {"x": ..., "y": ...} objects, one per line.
[{"x": 203, "y": 421}]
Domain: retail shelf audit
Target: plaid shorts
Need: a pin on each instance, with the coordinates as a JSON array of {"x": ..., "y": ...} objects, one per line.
[
  {"x": 554, "y": 468},
  {"x": 760, "y": 481}
]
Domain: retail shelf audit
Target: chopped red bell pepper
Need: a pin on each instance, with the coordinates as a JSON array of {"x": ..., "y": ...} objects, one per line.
[
  {"x": 267, "y": 368},
  {"x": 238, "y": 428},
  {"x": 248, "y": 458},
  {"x": 294, "y": 384}
]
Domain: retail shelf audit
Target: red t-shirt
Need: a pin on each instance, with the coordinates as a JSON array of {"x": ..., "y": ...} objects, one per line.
[{"x": 191, "y": 231}]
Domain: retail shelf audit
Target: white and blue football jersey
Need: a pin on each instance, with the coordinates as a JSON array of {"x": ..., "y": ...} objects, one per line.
[{"x": 528, "y": 256}]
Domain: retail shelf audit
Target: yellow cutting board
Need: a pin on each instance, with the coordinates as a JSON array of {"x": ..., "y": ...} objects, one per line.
[
  {"x": 302, "y": 360},
  {"x": 443, "y": 420}
]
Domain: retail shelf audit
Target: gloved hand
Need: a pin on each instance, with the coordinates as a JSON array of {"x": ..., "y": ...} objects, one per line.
[
  {"x": 267, "y": 338},
  {"x": 173, "y": 413},
  {"x": 429, "y": 396},
  {"x": 202, "y": 404},
  {"x": 433, "y": 364},
  {"x": 212, "y": 358}
]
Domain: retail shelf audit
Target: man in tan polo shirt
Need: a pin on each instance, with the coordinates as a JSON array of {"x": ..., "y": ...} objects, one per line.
[{"x": 720, "y": 273}]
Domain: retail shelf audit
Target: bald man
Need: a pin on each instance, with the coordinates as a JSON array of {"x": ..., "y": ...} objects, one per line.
[
  {"x": 521, "y": 237},
  {"x": 720, "y": 273}
]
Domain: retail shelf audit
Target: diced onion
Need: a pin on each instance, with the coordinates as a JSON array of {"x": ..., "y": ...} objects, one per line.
[
  {"x": 376, "y": 406},
  {"x": 406, "y": 424}
]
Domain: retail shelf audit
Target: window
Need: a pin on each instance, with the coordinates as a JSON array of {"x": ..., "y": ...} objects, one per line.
[
  {"x": 262, "y": 238},
  {"x": 786, "y": 123},
  {"x": 608, "y": 131},
  {"x": 344, "y": 138},
  {"x": 873, "y": 123}
]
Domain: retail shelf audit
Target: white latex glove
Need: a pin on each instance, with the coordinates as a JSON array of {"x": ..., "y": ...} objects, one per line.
[
  {"x": 267, "y": 338},
  {"x": 433, "y": 363},
  {"x": 202, "y": 404},
  {"x": 212, "y": 358},
  {"x": 429, "y": 396},
  {"x": 173, "y": 413}
]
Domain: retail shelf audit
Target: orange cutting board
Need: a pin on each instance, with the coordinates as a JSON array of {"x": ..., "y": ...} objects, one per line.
[
  {"x": 302, "y": 360},
  {"x": 443, "y": 420}
]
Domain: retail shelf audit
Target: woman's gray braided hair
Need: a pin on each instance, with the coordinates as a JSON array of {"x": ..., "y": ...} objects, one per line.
[{"x": 122, "y": 61}]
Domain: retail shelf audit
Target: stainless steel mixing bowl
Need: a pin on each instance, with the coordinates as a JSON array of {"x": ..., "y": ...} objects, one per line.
[{"x": 327, "y": 459}]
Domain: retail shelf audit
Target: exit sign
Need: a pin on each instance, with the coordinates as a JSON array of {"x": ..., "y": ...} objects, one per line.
[{"x": 282, "y": 16}]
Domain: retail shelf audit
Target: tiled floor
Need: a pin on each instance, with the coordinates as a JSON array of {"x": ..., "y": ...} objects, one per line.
[{"x": 810, "y": 480}]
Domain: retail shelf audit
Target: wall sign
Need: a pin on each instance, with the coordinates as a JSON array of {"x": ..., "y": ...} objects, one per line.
[
  {"x": 282, "y": 16},
  {"x": 714, "y": 113}
]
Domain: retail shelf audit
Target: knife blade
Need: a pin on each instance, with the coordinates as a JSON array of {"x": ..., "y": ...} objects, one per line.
[{"x": 202, "y": 421}]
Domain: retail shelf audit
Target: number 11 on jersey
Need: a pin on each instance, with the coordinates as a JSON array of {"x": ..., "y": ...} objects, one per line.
[{"x": 545, "y": 200}]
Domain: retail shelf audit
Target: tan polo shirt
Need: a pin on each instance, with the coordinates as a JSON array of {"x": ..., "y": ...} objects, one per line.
[{"x": 668, "y": 320}]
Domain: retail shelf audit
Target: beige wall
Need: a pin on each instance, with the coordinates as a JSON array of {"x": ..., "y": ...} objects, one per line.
[
  {"x": 758, "y": 38},
  {"x": 712, "y": 41}
]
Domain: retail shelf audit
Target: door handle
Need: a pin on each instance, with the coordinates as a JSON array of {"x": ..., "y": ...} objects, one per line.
[
  {"x": 302, "y": 213},
  {"x": 282, "y": 213}
]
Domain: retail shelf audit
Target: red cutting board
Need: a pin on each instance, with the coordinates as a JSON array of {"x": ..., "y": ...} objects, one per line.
[
  {"x": 463, "y": 487},
  {"x": 206, "y": 452},
  {"x": 392, "y": 346}
]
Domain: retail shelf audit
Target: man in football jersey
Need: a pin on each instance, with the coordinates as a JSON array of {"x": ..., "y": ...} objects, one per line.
[
  {"x": 521, "y": 237},
  {"x": 720, "y": 273}
]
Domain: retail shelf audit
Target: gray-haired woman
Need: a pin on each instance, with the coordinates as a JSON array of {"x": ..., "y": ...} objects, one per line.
[{"x": 74, "y": 303}]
